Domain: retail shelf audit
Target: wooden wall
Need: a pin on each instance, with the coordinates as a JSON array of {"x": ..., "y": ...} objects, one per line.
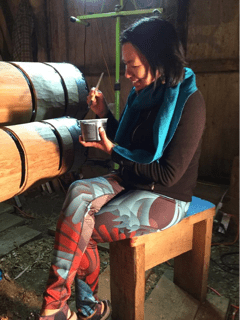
[
  {"x": 208, "y": 29},
  {"x": 213, "y": 54},
  {"x": 8, "y": 14}
]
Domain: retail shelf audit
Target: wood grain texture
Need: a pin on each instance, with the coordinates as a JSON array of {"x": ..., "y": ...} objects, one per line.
[
  {"x": 15, "y": 96},
  {"x": 15, "y": 238},
  {"x": 57, "y": 30},
  {"x": 66, "y": 145},
  {"x": 127, "y": 281},
  {"x": 5, "y": 31},
  {"x": 165, "y": 245},
  {"x": 58, "y": 89},
  {"x": 9, "y": 220},
  {"x": 214, "y": 65},
  {"x": 41, "y": 27},
  {"x": 41, "y": 151},
  {"x": 220, "y": 140},
  {"x": 47, "y": 87},
  {"x": 10, "y": 167},
  {"x": 191, "y": 268},
  {"x": 213, "y": 29},
  {"x": 212, "y": 50},
  {"x": 75, "y": 85}
]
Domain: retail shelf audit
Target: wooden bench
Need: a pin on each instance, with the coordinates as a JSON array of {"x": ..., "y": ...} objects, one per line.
[{"x": 188, "y": 242}]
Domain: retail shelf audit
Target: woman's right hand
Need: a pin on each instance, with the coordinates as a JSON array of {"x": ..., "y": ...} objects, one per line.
[{"x": 98, "y": 102}]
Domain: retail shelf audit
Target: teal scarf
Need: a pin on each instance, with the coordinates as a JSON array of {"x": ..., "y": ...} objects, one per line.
[{"x": 166, "y": 122}]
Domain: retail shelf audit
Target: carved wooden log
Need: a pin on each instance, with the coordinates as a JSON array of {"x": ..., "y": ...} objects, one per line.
[
  {"x": 41, "y": 152},
  {"x": 15, "y": 96},
  {"x": 80, "y": 153},
  {"x": 76, "y": 89},
  {"x": 37, "y": 152},
  {"x": 10, "y": 166},
  {"x": 41, "y": 91},
  {"x": 65, "y": 141}
]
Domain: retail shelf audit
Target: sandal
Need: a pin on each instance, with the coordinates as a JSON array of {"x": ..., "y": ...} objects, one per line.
[
  {"x": 97, "y": 315},
  {"x": 62, "y": 314}
]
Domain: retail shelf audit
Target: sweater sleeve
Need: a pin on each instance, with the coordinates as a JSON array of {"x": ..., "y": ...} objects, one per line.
[
  {"x": 177, "y": 157},
  {"x": 112, "y": 125}
]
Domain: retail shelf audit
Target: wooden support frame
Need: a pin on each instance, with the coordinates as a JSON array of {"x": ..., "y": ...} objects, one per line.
[
  {"x": 188, "y": 242},
  {"x": 127, "y": 280},
  {"x": 191, "y": 268}
]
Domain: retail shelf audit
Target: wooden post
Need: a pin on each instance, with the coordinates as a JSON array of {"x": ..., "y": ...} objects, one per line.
[
  {"x": 235, "y": 187},
  {"x": 191, "y": 268},
  {"x": 5, "y": 32},
  {"x": 127, "y": 276}
]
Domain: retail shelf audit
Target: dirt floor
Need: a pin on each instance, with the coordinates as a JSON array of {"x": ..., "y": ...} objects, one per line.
[{"x": 25, "y": 269}]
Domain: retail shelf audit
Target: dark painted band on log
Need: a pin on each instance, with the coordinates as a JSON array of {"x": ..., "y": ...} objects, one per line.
[
  {"x": 65, "y": 90},
  {"x": 58, "y": 137},
  {"x": 30, "y": 85},
  {"x": 21, "y": 153}
]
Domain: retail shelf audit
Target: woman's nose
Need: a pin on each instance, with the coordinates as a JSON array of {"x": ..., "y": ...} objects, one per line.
[{"x": 127, "y": 72}]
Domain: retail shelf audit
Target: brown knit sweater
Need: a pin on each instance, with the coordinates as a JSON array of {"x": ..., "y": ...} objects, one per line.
[{"x": 175, "y": 173}]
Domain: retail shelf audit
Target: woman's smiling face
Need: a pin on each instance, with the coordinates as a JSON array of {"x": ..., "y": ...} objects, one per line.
[{"x": 137, "y": 68}]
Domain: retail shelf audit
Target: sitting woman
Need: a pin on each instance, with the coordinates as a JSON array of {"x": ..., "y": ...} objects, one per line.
[{"x": 157, "y": 146}]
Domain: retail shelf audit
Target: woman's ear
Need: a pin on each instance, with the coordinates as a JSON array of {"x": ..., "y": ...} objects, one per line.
[
  {"x": 160, "y": 76},
  {"x": 157, "y": 74}
]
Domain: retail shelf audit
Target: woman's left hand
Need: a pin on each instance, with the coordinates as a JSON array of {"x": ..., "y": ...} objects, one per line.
[{"x": 104, "y": 144}]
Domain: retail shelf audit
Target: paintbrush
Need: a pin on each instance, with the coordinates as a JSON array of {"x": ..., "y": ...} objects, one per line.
[{"x": 97, "y": 86}]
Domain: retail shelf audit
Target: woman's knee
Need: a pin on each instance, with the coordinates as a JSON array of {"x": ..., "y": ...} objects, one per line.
[{"x": 78, "y": 188}]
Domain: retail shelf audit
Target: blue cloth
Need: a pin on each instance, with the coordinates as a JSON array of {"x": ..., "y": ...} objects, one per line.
[
  {"x": 166, "y": 122},
  {"x": 197, "y": 205},
  {"x": 85, "y": 300}
]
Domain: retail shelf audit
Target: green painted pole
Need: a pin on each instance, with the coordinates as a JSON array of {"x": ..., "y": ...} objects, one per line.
[
  {"x": 115, "y": 14},
  {"x": 117, "y": 86},
  {"x": 117, "y": 66}
]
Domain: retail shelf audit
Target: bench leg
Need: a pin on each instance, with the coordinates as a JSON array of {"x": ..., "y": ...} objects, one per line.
[
  {"x": 191, "y": 268},
  {"x": 127, "y": 276}
]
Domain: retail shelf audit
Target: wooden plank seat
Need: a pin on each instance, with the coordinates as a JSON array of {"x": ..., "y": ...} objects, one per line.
[{"x": 188, "y": 242}]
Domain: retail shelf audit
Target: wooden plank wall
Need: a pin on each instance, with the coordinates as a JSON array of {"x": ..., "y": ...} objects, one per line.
[
  {"x": 6, "y": 22},
  {"x": 213, "y": 54},
  {"x": 8, "y": 13}
]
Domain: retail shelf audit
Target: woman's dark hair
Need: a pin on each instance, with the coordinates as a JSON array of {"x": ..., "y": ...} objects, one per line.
[{"x": 158, "y": 41}]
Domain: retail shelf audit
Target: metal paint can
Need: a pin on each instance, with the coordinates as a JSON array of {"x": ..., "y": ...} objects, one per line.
[{"x": 90, "y": 128}]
